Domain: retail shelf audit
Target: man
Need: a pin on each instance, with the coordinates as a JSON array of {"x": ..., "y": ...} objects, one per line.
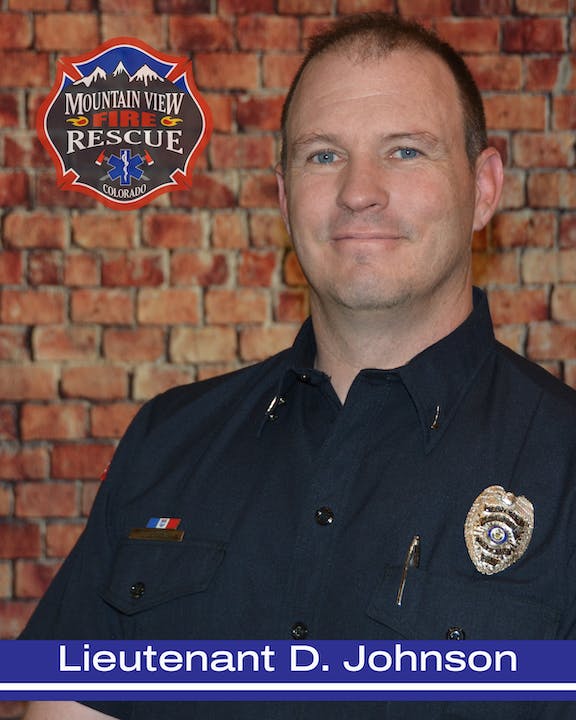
[{"x": 397, "y": 473}]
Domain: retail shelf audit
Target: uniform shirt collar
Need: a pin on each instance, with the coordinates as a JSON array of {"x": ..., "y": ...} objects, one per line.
[{"x": 436, "y": 379}]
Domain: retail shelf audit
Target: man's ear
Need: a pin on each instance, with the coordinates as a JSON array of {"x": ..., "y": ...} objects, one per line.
[
  {"x": 282, "y": 197},
  {"x": 489, "y": 180}
]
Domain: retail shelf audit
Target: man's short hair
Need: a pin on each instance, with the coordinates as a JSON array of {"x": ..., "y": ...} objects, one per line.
[{"x": 378, "y": 34}]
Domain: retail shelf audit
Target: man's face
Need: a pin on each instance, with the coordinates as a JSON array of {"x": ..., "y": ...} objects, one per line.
[{"x": 378, "y": 194}]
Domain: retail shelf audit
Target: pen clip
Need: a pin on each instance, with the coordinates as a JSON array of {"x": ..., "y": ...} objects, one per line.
[{"x": 412, "y": 560}]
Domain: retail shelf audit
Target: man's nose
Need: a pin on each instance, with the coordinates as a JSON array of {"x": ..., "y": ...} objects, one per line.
[{"x": 363, "y": 185}]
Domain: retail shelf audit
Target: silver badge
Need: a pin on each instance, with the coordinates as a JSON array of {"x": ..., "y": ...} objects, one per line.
[{"x": 498, "y": 529}]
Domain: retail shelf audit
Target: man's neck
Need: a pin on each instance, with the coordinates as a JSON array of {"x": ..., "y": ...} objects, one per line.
[{"x": 348, "y": 342}]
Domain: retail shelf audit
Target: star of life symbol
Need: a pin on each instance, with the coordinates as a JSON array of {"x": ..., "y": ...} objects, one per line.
[{"x": 131, "y": 111}]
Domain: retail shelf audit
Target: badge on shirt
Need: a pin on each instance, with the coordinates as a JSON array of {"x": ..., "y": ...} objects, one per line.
[
  {"x": 159, "y": 528},
  {"x": 498, "y": 529}
]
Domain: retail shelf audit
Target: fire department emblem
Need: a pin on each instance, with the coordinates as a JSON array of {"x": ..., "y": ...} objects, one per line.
[{"x": 124, "y": 123}]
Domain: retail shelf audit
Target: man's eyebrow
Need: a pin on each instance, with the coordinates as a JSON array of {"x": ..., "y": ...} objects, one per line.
[
  {"x": 313, "y": 138},
  {"x": 424, "y": 137}
]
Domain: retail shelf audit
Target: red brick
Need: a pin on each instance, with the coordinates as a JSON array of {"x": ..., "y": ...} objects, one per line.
[
  {"x": 10, "y": 268},
  {"x": 524, "y": 228},
  {"x": 259, "y": 112},
  {"x": 256, "y": 268},
  {"x": 268, "y": 32},
  {"x": 46, "y": 500},
  {"x": 42, "y": 5},
  {"x": 13, "y": 186},
  {"x": 24, "y": 68},
  {"x": 35, "y": 230},
  {"x": 67, "y": 421},
  {"x": 268, "y": 229},
  {"x": 145, "y": 27},
  {"x": 293, "y": 274},
  {"x": 547, "y": 341},
  {"x": 470, "y": 35},
  {"x": 64, "y": 343},
  {"x": 229, "y": 230},
  {"x": 567, "y": 233},
  {"x": 44, "y": 268},
  {"x": 67, "y": 31},
  {"x": 543, "y": 150},
  {"x": 259, "y": 190},
  {"x": 168, "y": 306},
  {"x": 495, "y": 268},
  {"x": 95, "y": 382},
  {"x": 173, "y": 230},
  {"x": 346, "y": 7},
  {"x": 542, "y": 73},
  {"x": 61, "y": 538},
  {"x": 209, "y": 190},
  {"x": 109, "y": 307},
  {"x": 23, "y": 464},
  {"x": 127, "y": 7},
  {"x": 5, "y": 584},
  {"x": 134, "y": 344},
  {"x": 305, "y": 7},
  {"x": 483, "y": 7},
  {"x": 33, "y": 307},
  {"x": 241, "y": 7},
  {"x": 17, "y": 540},
  {"x": 552, "y": 189},
  {"x": 496, "y": 72},
  {"x": 203, "y": 345},
  {"x": 227, "y": 71},
  {"x": 48, "y": 194},
  {"x": 567, "y": 265},
  {"x": 518, "y": 306},
  {"x": 22, "y": 150},
  {"x": 514, "y": 191},
  {"x": 15, "y": 615},
  {"x": 33, "y": 578},
  {"x": 8, "y": 427},
  {"x": 99, "y": 230},
  {"x": 564, "y": 303},
  {"x": 543, "y": 7},
  {"x": 565, "y": 113},
  {"x": 89, "y": 492},
  {"x": 292, "y": 306},
  {"x": 539, "y": 266},
  {"x": 258, "y": 343},
  {"x": 28, "y": 382},
  {"x": 279, "y": 68},
  {"x": 15, "y": 31},
  {"x": 80, "y": 461},
  {"x": 515, "y": 112},
  {"x": 221, "y": 108},
  {"x": 533, "y": 35},
  {"x": 201, "y": 268},
  {"x": 197, "y": 33},
  {"x": 136, "y": 268},
  {"x": 81, "y": 269},
  {"x": 112, "y": 419},
  {"x": 13, "y": 344},
  {"x": 149, "y": 380},
  {"x": 242, "y": 151},
  {"x": 8, "y": 110},
  {"x": 236, "y": 306}
]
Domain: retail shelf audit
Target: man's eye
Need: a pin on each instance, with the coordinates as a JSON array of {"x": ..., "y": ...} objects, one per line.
[
  {"x": 406, "y": 153},
  {"x": 324, "y": 157}
]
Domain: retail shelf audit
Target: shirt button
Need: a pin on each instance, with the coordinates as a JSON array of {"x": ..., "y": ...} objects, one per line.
[
  {"x": 299, "y": 631},
  {"x": 324, "y": 516},
  {"x": 455, "y": 633},
  {"x": 137, "y": 590}
]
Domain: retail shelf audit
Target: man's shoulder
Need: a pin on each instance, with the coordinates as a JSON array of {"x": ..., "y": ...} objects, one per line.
[{"x": 531, "y": 378}]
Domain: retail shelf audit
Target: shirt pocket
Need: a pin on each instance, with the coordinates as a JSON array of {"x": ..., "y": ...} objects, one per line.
[
  {"x": 148, "y": 573},
  {"x": 486, "y": 609}
]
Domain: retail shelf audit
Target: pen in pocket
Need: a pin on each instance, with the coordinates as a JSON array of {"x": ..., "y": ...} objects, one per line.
[{"x": 412, "y": 560}]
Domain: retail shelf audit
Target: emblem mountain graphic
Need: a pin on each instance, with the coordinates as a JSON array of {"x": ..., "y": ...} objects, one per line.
[{"x": 98, "y": 76}]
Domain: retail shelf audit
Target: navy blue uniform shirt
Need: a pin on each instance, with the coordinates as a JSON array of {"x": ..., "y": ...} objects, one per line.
[{"x": 298, "y": 512}]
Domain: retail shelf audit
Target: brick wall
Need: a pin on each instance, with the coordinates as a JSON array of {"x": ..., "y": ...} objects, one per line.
[{"x": 100, "y": 310}]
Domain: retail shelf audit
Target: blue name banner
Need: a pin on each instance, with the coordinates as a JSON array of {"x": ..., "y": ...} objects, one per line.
[{"x": 284, "y": 670}]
